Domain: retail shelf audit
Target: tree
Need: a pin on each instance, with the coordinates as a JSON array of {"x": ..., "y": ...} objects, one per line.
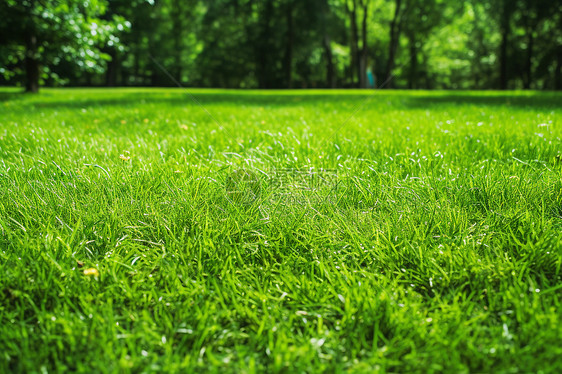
[
  {"x": 424, "y": 16},
  {"x": 481, "y": 45},
  {"x": 51, "y": 31},
  {"x": 290, "y": 43},
  {"x": 364, "y": 5},
  {"x": 358, "y": 13},
  {"x": 327, "y": 20},
  {"x": 401, "y": 7},
  {"x": 506, "y": 10},
  {"x": 282, "y": 43},
  {"x": 534, "y": 19}
]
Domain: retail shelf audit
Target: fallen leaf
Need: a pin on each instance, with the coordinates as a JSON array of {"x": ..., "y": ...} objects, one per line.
[{"x": 92, "y": 272}]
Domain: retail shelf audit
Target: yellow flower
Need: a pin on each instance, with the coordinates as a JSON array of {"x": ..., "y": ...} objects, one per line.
[
  {"x": 92, "y": 272},
  {"x": 124, "y": 158}
]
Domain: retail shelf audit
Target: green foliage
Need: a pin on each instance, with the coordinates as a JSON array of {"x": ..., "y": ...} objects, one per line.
[
  {"x": 288, "y": 43},
  {"x": 436, "y": 248},
  {"x": 69, "y": 32}
]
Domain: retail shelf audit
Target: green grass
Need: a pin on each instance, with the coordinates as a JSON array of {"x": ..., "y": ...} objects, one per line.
[{"x": 435, "y": 245}]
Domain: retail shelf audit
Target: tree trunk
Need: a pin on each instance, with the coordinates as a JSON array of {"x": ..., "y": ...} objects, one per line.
[
  {"x": 32, "y": 67},
  {"x": 355, "y": 64},
  {"x": 529, "y": 64},
  {"x": 330, "y": 72},
  {"x": 177, "y": 30},
  {"x": 263, "y": 46},
  {"x": 112, "y": 68},
  {"x": 558, "y": 71},
  {"x": 136, "y": 65},
  {"x": 362, "y": 68},
  {"x": 394, "y": 38},
  {"x": 413, "y": 76},
  {"x": 504, "y": 26},
  {"x": 503, "y": 61},
  {"x": 289, "y": 46}
]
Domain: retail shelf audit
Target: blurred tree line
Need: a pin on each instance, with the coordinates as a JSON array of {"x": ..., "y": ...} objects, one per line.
[{"x": 476, "y": 44}]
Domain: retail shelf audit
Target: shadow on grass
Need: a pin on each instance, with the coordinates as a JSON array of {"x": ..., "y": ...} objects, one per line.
[
  {"x": 12, "y": 96},
  {"x": 542, "y": 101},
  {"x": 399, "y": 100},
  {"x": 205, "y": 99}
]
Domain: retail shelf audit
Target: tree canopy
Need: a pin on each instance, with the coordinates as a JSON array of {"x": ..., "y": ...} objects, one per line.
[{"x": 482, "y": 44}]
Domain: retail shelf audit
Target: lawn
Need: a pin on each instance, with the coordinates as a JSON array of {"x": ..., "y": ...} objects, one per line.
[{"x": 147, "y": 230}]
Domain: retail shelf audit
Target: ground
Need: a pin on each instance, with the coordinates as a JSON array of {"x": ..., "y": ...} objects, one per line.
[{"x": 148, "y": 230}]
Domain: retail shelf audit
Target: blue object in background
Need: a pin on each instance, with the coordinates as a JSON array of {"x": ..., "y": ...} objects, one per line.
[{"x": 370, "y": 79}]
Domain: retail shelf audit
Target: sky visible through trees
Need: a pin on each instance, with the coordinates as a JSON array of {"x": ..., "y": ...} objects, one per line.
[{"x": 417, "y": 44}]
